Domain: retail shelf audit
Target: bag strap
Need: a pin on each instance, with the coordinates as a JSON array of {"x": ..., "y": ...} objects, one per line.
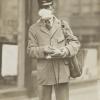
[
  {"x": 62, "y": 24},
  {"x": 64, "y": 29}
]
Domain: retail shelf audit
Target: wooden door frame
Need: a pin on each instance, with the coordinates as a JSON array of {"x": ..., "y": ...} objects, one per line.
[{"x": 27, "y": 24}]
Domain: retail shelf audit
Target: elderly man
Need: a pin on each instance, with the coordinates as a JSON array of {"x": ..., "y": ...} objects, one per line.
[{"x": 47, "y": 43}]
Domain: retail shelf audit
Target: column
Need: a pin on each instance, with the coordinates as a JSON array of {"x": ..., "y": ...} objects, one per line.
[{"x": 21, "y": 44}]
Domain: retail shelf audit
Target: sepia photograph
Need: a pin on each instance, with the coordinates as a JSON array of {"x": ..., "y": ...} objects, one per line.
[{"x": 49, "y": 50}]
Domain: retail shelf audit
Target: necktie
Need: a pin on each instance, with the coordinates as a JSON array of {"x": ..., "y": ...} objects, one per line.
[{"x": 48, "y": 24}]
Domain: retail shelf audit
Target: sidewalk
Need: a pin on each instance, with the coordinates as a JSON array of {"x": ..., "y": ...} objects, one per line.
[{"x": 19, "y": 98}]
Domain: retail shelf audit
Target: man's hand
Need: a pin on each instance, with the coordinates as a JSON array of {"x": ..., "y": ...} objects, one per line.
[
  {"x": 55, "y": 52},
  {"x": 48, "y": 50},
  {"x": 60, "y": 53},
  {"x": 65, "y": 51}
]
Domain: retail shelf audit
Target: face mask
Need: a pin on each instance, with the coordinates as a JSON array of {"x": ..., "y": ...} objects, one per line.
[{"x": 45, "y": 14}]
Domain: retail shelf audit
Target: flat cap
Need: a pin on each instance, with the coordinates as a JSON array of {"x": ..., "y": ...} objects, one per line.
[{"x": 44, "y": 3}]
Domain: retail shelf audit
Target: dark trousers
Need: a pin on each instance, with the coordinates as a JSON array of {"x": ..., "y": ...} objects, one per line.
[{"x": 61, "y": 92}]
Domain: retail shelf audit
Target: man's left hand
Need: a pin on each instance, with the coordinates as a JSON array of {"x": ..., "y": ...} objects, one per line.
[{"x": 59, "y": 53}]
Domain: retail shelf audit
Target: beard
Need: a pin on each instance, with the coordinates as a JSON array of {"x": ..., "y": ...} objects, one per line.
[{"x": 45, "y": 14}]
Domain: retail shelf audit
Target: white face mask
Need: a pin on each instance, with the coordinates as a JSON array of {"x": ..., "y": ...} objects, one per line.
[{"x": 45, "y": 14}]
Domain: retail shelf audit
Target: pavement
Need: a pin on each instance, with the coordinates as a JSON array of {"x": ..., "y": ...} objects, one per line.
[
  {"x": 84, "y": 91},
  {"x": 19, "y": 98}
]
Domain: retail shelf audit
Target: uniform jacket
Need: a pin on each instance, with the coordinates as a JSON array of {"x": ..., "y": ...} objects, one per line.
[{"x": 51, "y": 71}]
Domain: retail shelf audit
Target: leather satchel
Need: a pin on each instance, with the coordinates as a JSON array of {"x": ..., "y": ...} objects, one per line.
[{"x": 75, "y": 66}]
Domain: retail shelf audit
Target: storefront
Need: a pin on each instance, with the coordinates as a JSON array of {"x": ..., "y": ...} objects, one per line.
[{"x": 8, "y": 43}]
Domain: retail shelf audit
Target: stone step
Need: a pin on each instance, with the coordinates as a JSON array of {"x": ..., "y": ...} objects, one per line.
[{"x": 12, "y": 92}]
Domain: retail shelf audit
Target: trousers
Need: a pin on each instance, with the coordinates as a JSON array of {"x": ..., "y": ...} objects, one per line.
[{"x": 61, "y": 91}]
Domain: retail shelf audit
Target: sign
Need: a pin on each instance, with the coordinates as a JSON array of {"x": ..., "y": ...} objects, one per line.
[{"x": 9, "y": 59}]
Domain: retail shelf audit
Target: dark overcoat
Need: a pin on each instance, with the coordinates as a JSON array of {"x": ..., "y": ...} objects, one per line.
[{"x": 51, "y": 71}]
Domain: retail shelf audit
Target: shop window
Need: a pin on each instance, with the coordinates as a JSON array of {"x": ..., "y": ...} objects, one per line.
[
  {"x": 9, "y": 21},
  {"x": 9, "y": 65},
  {"x": 8, "y": 43}
]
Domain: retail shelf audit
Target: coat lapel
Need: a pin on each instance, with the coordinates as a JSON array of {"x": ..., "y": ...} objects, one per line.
[
  {"x": 43, "y": 28},
  {"x": 56, "y": 25}
]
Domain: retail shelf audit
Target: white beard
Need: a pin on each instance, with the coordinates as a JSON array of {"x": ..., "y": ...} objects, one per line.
[{"x": 45, "y": 14}]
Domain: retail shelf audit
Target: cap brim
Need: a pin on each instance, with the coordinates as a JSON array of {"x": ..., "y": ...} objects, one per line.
[{"x": 46, "y": 4}]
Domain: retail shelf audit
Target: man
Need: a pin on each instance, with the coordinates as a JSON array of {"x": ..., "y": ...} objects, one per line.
[{"x": 48, "y": 44}]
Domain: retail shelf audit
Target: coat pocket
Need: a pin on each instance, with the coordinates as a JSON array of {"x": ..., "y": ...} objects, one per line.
[
  {"x": 60, "y": 39},
  {"x": 61, "y": 42}
]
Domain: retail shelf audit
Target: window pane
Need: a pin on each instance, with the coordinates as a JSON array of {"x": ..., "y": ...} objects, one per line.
[
  {"x": 76, "y": 6},
  {"x": 95, "y": 1},
  {"x": 95, "y": 6},
  {"x": 85, "y": 9},
  {"x": 9, "y": 19}
]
